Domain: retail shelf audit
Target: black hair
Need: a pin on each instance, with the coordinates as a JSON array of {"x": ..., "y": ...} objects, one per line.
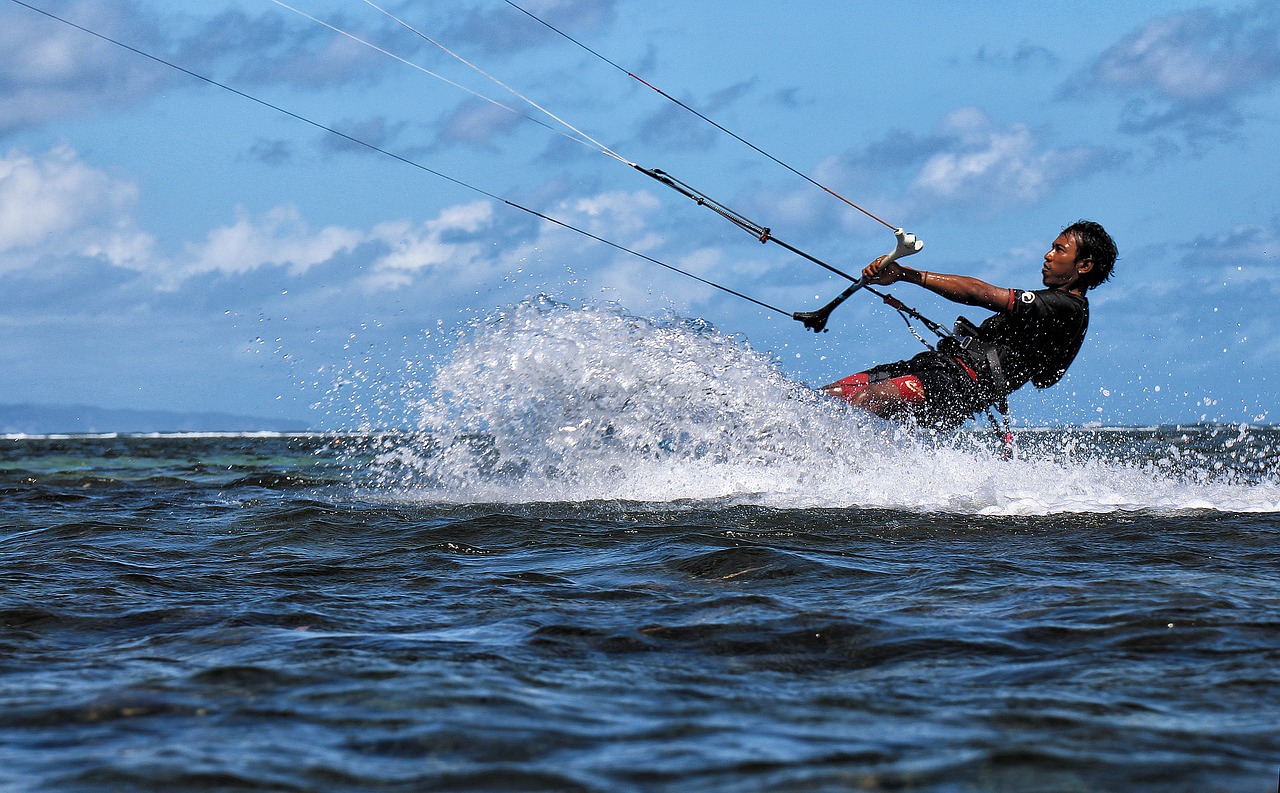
[{"x": 1093, "y": 242}]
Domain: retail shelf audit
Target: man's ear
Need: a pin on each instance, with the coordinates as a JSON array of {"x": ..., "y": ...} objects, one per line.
[{"x": 1084, "y": 265}]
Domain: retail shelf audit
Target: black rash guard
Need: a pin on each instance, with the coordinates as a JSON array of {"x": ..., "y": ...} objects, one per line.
[{"x": 1037, "y": 336}]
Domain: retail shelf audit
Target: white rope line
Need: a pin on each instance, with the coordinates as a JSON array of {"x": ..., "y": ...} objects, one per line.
[
  {"x": 603, "y": 148},
  {"x": 584, "y": 140}
]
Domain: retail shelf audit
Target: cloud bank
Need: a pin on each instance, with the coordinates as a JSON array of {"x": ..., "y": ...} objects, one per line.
[
  {"x": 49, "y": 70},
  {"x": 1189, "y": 71}
]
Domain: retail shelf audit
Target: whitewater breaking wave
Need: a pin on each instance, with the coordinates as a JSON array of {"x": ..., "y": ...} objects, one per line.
[{"x": 546, "y": 402}]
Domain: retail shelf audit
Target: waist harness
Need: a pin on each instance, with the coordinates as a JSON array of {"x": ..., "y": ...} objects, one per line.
[{"x": 983, "y": 356}]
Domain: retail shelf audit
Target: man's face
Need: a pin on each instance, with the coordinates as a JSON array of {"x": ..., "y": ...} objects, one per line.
[{"x": 1061, "y": 270}]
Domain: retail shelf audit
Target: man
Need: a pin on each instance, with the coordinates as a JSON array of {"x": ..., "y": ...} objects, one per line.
[{"x": 1033, "y": 336}]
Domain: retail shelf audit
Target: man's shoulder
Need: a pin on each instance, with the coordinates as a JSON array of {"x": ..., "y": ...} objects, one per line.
[
  {"x": 1057, "y": 295},
  {"x": 1049, "y": 299}
]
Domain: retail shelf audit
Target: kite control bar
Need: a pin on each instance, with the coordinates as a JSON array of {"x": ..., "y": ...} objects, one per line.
[{"x": 816, "y": 321}]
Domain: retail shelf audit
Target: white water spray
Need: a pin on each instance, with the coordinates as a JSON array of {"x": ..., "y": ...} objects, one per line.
[{"x": 544, "y": 402}]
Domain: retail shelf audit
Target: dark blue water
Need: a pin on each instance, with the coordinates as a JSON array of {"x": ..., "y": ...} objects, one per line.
[
  {"x": 595, "y": 552},
  {"x": 272, "y": 613}
]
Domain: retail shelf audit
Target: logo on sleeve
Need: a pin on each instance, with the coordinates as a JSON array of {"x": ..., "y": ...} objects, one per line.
[{"x": 1028, "y": 297}]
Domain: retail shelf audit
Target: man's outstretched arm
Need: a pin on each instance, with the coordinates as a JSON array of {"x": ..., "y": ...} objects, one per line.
[{"x": 962, "y": 289}]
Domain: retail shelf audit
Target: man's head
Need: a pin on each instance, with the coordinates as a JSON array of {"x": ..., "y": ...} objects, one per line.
[{"x": 1093, "y": 244}]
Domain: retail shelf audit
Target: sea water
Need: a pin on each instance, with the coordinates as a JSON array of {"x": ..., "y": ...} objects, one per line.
[{"x": 591, "y": 551}]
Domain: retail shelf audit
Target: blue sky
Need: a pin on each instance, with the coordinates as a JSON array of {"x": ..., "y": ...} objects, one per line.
[{"x": 166, "y": 244}]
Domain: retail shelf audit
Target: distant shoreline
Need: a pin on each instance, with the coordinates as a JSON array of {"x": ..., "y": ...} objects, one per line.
[{"x": 44, "y": 420}]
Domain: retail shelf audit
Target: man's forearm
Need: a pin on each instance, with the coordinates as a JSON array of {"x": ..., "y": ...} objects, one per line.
[{"x": 960, "y": 288}]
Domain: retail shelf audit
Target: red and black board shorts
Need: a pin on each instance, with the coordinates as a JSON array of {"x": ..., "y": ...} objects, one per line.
[{"x": 952, "y": 393}]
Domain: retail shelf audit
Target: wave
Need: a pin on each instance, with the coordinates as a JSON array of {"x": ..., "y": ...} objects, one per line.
[{"x": 547, "y": 402}]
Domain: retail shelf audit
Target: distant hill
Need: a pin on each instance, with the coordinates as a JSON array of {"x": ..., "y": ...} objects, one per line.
[{"x": 57, "y": 419}]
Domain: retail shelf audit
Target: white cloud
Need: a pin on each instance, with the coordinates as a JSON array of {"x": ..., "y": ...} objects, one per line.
[
  {"x": 619, "y": 215},
  {"x": 399, "y": 252},
  {"x": 427, "y": 246},
  {"x": 643, "y": 286},
  {"x": 49, "y": 70},
  {"x": 1245, "y": 257},
  {"x": 968, "y": 162},
  {"x": 1198, "y": 56},
  {"x": 1190, "y": 69},
  {"x": 503, "y": 30},
  {"x": 981, "y": 162},
  {"x": 55, "y": 207},
  {"x": 313, "y": 57},
  {"x": 55, "y": 204},
  {"x": 279, "y": 237},
  {"x": 478, "y": 123}
]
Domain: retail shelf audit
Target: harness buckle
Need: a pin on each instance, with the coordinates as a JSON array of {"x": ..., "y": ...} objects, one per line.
[{"x": 966, "y": 333}]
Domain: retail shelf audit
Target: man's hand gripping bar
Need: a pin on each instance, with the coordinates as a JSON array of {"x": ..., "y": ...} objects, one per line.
[{"x": 816, "y": 321}]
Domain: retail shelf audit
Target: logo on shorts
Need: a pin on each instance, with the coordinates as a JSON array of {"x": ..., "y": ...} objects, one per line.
[{"x": 1028, "y": 297}]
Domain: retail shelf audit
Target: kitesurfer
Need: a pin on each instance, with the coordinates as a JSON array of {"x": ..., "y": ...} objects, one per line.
[{"x": 1033, "y": 336}]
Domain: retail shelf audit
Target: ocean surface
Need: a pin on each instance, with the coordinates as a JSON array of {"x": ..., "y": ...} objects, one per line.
[{"x": 637, "y": 558}]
